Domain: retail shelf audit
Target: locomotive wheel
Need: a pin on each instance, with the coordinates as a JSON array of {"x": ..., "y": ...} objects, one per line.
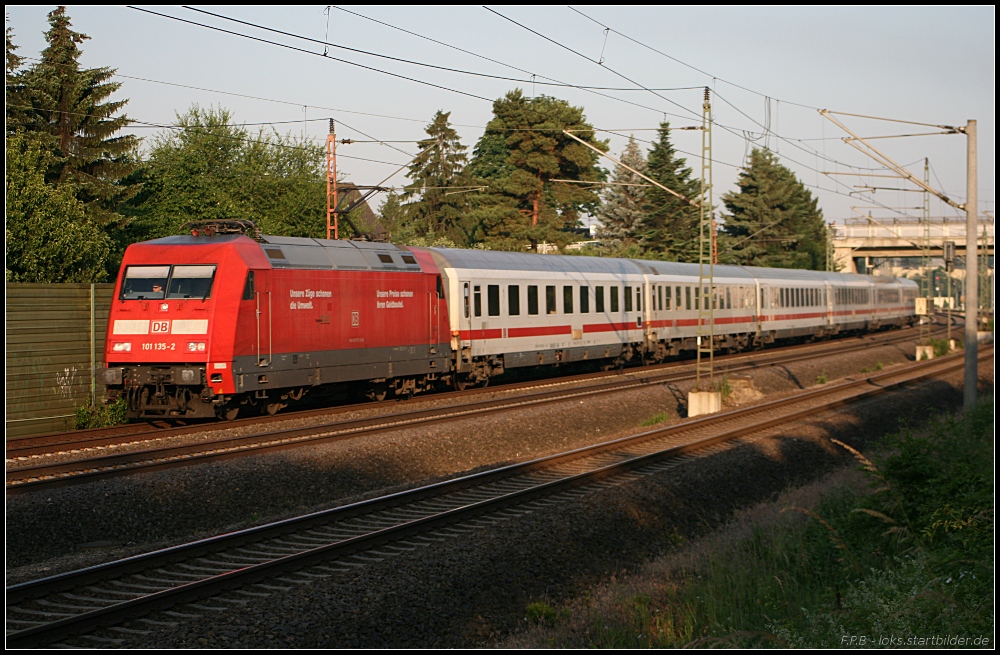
[
  {"x": 460, "y": 383},
  {"x": 379, "y": 392}
]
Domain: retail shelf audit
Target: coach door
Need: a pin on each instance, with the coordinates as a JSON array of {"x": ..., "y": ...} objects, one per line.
[{"x": 828, "y": 292}]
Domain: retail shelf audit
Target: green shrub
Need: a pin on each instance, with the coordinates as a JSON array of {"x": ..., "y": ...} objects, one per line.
[
  {"x": 102, "y": 416},
  {"x": 662, "y": 417},
  {"x": 542, "y": 613}
]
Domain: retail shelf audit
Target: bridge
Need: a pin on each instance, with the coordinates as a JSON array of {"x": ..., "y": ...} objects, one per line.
[{"x": 862, "y": 244}]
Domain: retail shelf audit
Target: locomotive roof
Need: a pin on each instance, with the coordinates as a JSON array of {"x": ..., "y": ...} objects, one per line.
[{"x": 301, "y": 252}]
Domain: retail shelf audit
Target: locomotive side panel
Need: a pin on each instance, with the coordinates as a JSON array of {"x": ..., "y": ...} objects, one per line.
[{"x": 319, "y": 327}]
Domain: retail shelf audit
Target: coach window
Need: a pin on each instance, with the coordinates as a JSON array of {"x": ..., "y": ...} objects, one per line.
[
  {"x": 687, "y": 298},
  {"x": 514, "y": 300},
  {"x": 550, "y": 299},
  {"x": 666, "y": 298},
  {"x": 248, "y": 289},
  {"x": 567, "y": 300},
  {"x": 599, "y": 299},
  {"x": 477, "y": 300},
  {"x": 465, "y": 294},
  {"x": 532, "y": 299},
  {"x": 638, "y": 299},
  {"x": 614, "y": 299},
  {"x": 584, "y": 300},
  {"x": 628, "y": 299},
  {"x": 493, "y": 299}
]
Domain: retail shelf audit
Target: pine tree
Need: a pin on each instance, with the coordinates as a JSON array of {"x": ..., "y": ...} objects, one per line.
[
  {"x": 72, "y": 118},
  {"x": 434, "y": 208},
  {"x": 774, "y": 220},
  {"x": 623, "y": 212},
  {"x": 671, "y": 226},
  {"x": 524, "y": 157},
  {"x": 15, "y": 102}
]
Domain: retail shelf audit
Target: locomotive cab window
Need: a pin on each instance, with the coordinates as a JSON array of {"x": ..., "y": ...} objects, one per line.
[
  {"x": 144, "y": 282},
  {"x": 191, "y": 282}
]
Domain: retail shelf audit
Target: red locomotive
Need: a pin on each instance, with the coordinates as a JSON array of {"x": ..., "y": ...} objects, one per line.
[{"x": 224, "y": 319}]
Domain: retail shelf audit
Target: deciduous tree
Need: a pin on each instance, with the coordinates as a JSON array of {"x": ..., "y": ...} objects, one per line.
[{"x": 49, "y": 236}]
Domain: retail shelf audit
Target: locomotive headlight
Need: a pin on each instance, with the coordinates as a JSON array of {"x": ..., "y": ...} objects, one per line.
[
  {"x": 122, "y": 347},
  {"x": 196, "y": 346}
]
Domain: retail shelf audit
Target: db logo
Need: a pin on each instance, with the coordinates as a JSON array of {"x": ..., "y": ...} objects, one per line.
[
  {"x": 355, "y": 319},
  {"x": 161, "y": 327}
]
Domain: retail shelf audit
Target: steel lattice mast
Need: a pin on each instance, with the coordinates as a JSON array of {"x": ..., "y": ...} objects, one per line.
[{"x": 705, "y": 295}]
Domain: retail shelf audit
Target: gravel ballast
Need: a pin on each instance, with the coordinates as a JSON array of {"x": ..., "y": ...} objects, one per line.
[{"x": 461, "y": 591}]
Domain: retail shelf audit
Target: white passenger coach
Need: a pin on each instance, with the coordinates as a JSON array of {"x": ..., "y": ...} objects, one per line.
[{"x": 516, "y": 309}]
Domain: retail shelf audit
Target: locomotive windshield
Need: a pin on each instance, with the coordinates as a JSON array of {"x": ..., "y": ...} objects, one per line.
[
  {"x": 158, "y": 282},
  {"x": 145, "y": 282},
  {"x": 191, "y": 282}
]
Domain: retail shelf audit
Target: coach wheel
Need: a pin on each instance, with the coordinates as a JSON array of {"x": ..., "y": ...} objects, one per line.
[
  {"x": 274, "y": 408},
  {"x": 460, "y": 382}
]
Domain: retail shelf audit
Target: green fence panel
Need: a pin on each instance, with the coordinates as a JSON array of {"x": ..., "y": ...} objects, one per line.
[{"x": 55, "y": 343}]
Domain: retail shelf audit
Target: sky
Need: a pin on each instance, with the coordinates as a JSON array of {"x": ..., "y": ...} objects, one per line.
[{"x": 769, "y": 69}]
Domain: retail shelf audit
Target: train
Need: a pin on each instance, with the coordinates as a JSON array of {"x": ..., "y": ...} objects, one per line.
[{"x": 223, "y": 321}]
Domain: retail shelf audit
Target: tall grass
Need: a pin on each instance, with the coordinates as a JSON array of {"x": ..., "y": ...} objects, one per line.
[{"x": 913, "y": 558}]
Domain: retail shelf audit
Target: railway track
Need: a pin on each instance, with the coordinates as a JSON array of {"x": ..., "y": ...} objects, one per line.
[
  {"x": 23, "y": 475},
  {"x": 191, "y": 580},
  {"x": 76, "y": 440}
]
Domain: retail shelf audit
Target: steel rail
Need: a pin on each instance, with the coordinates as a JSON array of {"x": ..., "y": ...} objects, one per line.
[
  {"x": 43, "y": 476},
  {"x": 399, "y": 526},
  {"x": 132, "y": 432}
]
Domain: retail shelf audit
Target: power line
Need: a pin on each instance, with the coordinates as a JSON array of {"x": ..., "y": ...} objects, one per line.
[
  {"x": 308, "y": 52},
  {"x": 327, "y": 44},
  {"x": 653, "y": 92},
  {"x": 205, "y": 130},
  {"x": 684, "y": 63},
  {"x": 594, "y": 61}
]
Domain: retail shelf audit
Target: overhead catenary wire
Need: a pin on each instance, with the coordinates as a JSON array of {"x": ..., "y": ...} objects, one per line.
[
  {"x": 327, "y": 44},
  {"x": 309, "y": 52},
  {"x": 653, "y": 92},
  {"x": 204, "y": 129}
]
